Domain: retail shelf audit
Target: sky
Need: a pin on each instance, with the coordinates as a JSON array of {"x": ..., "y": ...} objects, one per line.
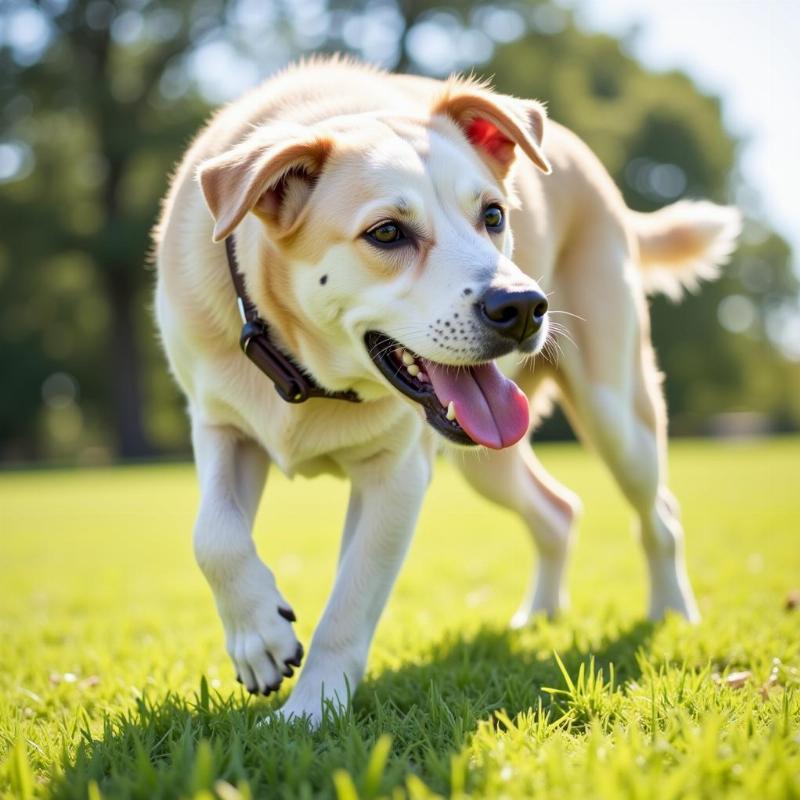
[{"x": 747, "y": 52}]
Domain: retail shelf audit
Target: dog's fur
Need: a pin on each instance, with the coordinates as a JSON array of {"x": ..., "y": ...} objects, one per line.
[{"x": 299, "y": 168}]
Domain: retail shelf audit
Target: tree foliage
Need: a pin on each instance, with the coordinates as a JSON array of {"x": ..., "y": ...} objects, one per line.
[{"x": 98, "y": 100}]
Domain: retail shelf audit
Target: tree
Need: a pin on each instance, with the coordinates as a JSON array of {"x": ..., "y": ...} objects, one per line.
[
  {"x": 98, "y": 100},
  {"x": 89, "y": 111}
]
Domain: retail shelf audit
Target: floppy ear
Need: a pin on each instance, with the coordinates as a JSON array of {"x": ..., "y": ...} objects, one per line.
[
  {"x": 271, "y": 175},
  {"x": 496, "y": 124}
]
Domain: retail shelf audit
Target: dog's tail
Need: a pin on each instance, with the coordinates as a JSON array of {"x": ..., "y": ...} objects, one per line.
[{"x": 685, "y": 243}]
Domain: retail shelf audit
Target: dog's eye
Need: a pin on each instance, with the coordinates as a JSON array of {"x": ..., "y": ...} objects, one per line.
[
  {"x": 387, "y": 233},
  {"x": 494, "y": 219}
]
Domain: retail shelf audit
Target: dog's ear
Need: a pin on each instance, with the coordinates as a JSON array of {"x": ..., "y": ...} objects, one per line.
[
  {"x": 496, "y": 124},
  {"x": 271, "y": 174}
]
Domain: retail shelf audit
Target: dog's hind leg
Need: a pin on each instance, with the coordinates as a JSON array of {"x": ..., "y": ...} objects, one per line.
[
  {"x": 612, "y": 393},
  {"x": 514, "y": 478}
]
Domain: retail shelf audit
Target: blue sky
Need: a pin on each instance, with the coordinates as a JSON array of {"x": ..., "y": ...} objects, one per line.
[{"x": 748, "y": 53}]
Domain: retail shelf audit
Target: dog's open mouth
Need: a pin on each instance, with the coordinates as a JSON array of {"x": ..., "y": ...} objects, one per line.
[{"x": 468, "y": 405}]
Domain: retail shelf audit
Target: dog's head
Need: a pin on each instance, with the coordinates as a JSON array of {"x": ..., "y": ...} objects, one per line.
[{"x": 383, "y": 251}]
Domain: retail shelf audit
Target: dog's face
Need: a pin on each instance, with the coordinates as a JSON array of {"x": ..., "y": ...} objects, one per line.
[{"x": 389, "y": 254}]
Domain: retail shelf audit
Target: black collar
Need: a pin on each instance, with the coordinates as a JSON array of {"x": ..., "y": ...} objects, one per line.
[{"x": 292, "y": 383}]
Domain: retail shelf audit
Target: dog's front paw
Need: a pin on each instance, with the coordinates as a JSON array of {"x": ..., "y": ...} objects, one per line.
[{"x": 259, "y": 634}]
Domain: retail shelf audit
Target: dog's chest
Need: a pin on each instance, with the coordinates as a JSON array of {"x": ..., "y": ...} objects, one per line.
[
  {"x": 325, "y": 435},
  {"x": 317, "y": 436}
]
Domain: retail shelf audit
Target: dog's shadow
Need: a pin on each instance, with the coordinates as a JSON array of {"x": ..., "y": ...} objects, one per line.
[{"x": 173, "y": 746}]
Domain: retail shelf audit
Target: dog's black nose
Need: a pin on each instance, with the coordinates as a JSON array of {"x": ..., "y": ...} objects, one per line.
[{"x": 515, "y": 313}]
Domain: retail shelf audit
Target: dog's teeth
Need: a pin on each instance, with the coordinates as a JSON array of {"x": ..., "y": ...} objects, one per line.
[
  {"x": 451, "y": 411},
  {"x": 408, "y": 359},
  {"x": 413, "y": 370}
]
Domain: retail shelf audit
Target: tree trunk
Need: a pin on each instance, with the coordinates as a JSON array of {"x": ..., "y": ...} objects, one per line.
[{"x": 124, "y": 364}]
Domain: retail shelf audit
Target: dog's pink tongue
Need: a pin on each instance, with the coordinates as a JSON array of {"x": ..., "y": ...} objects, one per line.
[{"x": 489, "y": 407}]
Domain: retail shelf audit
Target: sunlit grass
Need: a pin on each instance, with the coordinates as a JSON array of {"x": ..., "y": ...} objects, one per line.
[{"x": 107, "y": 628}]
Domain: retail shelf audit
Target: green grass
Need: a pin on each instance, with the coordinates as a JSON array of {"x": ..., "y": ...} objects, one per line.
[{"x": 114, "y": 681}]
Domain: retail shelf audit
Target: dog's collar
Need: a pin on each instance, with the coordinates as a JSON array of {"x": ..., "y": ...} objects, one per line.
[{"x": 291, "y": 381}]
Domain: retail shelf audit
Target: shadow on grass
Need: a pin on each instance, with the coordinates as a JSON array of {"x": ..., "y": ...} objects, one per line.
[{"x": 172, "y": 746}]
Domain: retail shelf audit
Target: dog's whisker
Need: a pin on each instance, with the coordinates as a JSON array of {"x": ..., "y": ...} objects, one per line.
[
  {"x": 556, "y": 346},
  {"x": 559, "y": 331},
  {"x": 566, "y": 336},
  {"x": 566, "y": 313}
]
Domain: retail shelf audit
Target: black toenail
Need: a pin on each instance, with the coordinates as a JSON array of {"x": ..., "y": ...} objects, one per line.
[
  {"x": 252, "y": 691},
  {"x": 239, "y": 678},
  {"x": 297, "y": 657},
  {"x": 288, "y": 672},
  {"x": 273, "y": 687},
  {"x": 287, "y": 614}
]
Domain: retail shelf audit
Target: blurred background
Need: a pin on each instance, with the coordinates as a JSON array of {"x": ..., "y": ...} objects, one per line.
[{"x": 98, "y": 100}]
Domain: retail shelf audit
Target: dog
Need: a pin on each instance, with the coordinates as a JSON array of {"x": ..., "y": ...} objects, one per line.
[{"x": 351, "y": 231}]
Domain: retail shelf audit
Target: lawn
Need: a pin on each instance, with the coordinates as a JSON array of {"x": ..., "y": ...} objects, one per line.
[{"x": 114, "y": 681}]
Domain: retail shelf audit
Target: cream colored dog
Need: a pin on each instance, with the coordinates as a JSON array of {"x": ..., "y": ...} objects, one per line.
[{"x": 372, "y": 216}]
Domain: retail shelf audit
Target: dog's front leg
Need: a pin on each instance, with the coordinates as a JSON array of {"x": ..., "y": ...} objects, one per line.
[
  {"x": 257, "y": 619},
  {"x": 386, "y": 497}
]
